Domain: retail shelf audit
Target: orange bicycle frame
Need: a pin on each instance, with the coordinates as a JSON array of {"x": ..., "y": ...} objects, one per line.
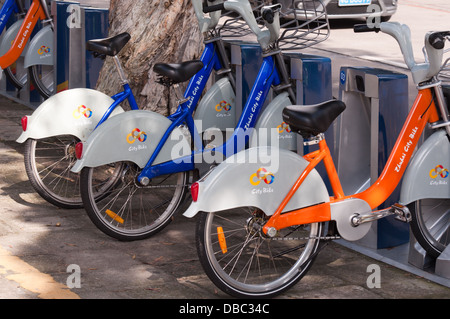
[
  {"x": 35, "y": 12},
  {"x": 423, "y": 111}
]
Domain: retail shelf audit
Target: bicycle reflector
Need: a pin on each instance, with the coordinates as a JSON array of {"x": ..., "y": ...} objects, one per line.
[
  {"x": 114, "y": 216},
  {"x": 24, "y": 121},
  {"x": 222, "y": 241},
  {"x": 194, "y": 191},
  {"x": 79, "y": 150}
]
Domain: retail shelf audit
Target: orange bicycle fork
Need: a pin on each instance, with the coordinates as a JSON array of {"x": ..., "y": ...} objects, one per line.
[
  {"x": 422, "y": 112},
  {"x": 35, "y": 12}
]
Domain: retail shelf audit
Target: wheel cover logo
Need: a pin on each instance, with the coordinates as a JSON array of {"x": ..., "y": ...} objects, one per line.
[
  {"x": 136, "y": 134},
  {"x": 223, "y": 105},
  {"x": 43, "y": 49},
  {"x": 261, "y": 175},
  {"x": 283, "y": 127},
  {"x": 82, "y": 111},
  {"x": 439, "y": 170}
]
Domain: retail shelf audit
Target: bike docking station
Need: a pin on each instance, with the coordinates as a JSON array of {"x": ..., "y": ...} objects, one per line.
[
  {"x": 27, "y": 95},
  {"x": 310, "y": 74},
  {"x": 73, "y": 25},
  {"x": 376, "y": 106},
  {"x": 368, "y": 126},
  {"x": 417, "y": 255}
]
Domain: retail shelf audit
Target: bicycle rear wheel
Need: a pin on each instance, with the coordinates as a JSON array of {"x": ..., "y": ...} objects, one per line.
[
  {"x": 129, "y": 211},
  {"x": 430, "y": 224},
  {"x": 241, "y": 261},
  {"x": 48, "y": 162}
]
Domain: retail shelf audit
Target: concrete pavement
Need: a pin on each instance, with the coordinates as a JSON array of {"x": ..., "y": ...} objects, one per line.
[
  {"x": 47, "y": 252},
  {"x": 44, "y": 248}
]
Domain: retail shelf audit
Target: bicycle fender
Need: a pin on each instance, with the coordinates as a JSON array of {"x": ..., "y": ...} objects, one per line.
[
  {"x": 132, "y": 136},
  {"x": 258, "y": 177},
  {"x": 40, "y": 50},
  {"x": 217, "y": 108},
  {"x": 73, "y": 112},
  {"x": 270, "y": 129},
  {"x": 427, "y": 175},
  {"x": 10, "y": 36}
]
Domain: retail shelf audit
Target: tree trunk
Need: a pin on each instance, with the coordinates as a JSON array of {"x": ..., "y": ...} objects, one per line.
[{"x": 161, "y": 31}]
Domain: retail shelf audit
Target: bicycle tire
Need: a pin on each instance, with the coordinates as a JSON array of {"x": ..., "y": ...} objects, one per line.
[
  {"x": 120, "y": 212},
  {"x": 18, "y": 78},
  {"x": 42, "y": 78},
  {"x": 430, "y": 224},
  {"x": 292, "y": 256},
  {"x": 47, "y": 163}
]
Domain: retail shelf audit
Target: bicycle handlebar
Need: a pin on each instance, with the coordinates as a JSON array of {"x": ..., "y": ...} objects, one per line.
[
  {"x": 437, "y": 39},
  {"x": 434, "y": 44},
  {"x": 212, "y": 8},
  {"x": 206, "y": 23},
  {"x": 358, "y": 28},
  {"x": 269, "y": 13}
]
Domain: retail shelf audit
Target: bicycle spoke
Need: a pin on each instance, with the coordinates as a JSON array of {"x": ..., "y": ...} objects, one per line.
[
  {"x": 48, "y": 163},
  {"x": 128, "y": 209}
]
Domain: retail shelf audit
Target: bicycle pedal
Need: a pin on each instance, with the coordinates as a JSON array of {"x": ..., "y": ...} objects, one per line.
[{"x": 402, "y": 213}]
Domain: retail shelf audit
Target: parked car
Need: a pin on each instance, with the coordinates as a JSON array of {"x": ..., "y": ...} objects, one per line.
[{"x": 341, "y": 9}]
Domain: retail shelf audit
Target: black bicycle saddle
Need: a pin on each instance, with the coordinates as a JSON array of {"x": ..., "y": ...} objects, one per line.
[
  {"x": 108, "y": 46},
  {"x": 311, "y": 120},
  {"x": 178, "y": 72}
]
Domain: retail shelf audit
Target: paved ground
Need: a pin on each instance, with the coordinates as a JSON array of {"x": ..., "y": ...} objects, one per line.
[{"x": 43, "y": 248}]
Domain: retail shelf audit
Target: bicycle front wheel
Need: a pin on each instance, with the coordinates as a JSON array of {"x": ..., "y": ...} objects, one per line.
[
  {"x": 17, "y": 75},
  {"x": 42, "y": 78},
  {"x": 129, "y": 211},
  {"x": 243, "y": 262},
  {"x": 430, "y": 224},
  {"x": 48, "y": 164}
]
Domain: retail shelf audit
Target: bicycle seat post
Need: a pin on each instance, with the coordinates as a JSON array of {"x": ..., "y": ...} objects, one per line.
[
  {"x": 179, "y": 95},
  {"x": 47, "y": 14},
  {"x": 123, "y": 78}
]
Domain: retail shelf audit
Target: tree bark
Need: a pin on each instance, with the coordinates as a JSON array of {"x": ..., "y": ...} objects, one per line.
[{"x": 161, "y": 31}]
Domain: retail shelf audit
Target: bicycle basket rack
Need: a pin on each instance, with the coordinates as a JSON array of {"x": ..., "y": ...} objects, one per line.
[{"x": 303, "y": 23}]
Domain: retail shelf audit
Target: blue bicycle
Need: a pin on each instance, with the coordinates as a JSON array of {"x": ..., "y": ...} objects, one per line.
[
  {"x": 141, "y": 160},
  {"x": 52, "y": 132}
]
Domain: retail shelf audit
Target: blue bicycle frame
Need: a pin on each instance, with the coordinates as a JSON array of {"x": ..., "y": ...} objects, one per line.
[
  {"x": 267, "y": 76},
  {"x": 8, "y": 8},
  {"x": 210, "y": 60}
]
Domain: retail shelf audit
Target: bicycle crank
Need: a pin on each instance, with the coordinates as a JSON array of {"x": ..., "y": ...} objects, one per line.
[
  {"x": 344, "y": 213},
  {"x": 402, "y": 214}
]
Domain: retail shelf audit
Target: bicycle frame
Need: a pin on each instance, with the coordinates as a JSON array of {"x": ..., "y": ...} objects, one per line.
[
  {"x": 267, "y": 76},
  {"x": 157, "y": 157},
  {"x": 37, "y": 11},
  {"x": 126, "y": 94},
  {"x": 422, "y": 112},
  {"x": 196, "y": 85},
  {"x": 8, "y": 8}
]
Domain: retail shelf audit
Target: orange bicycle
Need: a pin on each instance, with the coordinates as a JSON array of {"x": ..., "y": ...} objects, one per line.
[
  {"x": 260, "y": 237},
  {"x": 37, "y": 54}
]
